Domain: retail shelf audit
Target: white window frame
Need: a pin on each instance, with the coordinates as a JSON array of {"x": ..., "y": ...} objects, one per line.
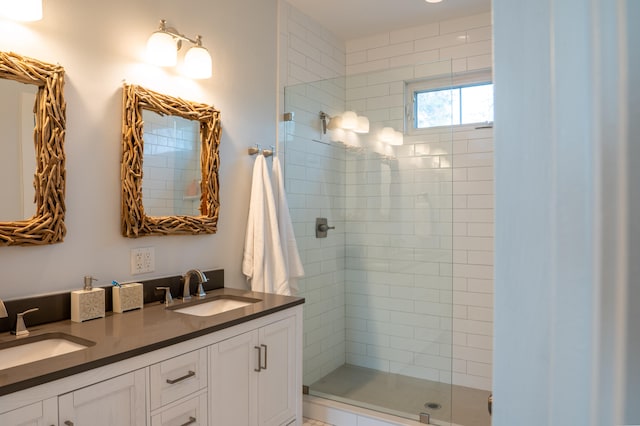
[{"x": 440, "y": 83}]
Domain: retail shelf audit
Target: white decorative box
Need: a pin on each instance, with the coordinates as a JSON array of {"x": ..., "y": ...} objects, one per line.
[
  {"x": 87, "y": 304},
  {"x": 127, "y": 297}
]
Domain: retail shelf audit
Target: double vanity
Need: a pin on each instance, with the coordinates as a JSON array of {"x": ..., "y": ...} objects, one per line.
[{"x": 233, "y": 357}]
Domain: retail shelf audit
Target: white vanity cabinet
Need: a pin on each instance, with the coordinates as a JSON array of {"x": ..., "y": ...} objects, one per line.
[
  {"x": 178, "y": 390},
  {"x": 118, "y": 401},
  {"x": 248, "y": 374},
  {"x": 252, "y": 377},
  {"x": 41, "y": 413}
]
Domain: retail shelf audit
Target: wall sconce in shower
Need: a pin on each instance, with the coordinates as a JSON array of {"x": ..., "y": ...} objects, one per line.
[
  {"x": 390, "y": 136},
  {"x": 21, "y": 10},
  {"x": 163, "y": 46},
  {"x": 348, "y": 120}
]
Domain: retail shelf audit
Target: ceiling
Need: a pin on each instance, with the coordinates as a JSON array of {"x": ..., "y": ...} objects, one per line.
[{"x": 351, "y": 19}]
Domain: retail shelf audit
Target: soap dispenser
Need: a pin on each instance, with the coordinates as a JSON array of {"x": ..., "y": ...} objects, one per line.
[{"x": 87, "y": 303}]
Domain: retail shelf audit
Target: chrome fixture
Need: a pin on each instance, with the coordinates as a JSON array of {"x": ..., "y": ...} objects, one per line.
[
  {"x": 257, "y": 150},
  {"x": 186, "y": 292},
  {"x": 3, "y": 310},
  {"x": 21, "y": 328},
  {"x": 322, "y": 227},
  {"x": 168, "y": 300},
  {"x": 163, "y": 46}
]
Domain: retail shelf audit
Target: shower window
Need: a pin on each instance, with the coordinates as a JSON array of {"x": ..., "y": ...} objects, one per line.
[{"x": 431, "y": 104}]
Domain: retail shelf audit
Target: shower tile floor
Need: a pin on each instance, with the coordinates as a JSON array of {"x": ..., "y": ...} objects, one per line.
[{"x": 397, "y": 394}]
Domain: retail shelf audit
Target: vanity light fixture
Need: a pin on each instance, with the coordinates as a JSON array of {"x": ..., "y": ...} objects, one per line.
[
  {"x": 163, "y": 46},
  {"x": 21, "y": 10}
]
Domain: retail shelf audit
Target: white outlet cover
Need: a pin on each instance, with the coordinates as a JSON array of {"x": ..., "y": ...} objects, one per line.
[{"x": 142, "y": 260}]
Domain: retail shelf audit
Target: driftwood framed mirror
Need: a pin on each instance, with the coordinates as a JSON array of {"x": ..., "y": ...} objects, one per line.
[
  {"x": 151, "y": 151},
  {"x": 46, "y": 225}
]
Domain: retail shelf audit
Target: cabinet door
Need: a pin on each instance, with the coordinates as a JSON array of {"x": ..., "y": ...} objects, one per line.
[
  {"x": 232, "y": 385},
  {"x": 43, "y": 413},
  {"x": 118, "y": 401},
  {"x": 277, "y": 381}
]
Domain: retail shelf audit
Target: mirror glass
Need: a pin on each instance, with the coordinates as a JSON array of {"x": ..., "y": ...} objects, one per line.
[
  {"x": 171, "y": 166},
  {"x": 17, "y": 153}
]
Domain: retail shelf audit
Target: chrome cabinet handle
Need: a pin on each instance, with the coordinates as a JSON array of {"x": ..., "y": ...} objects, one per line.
[
  {"x": 192, "y": 420},
  {"x": 265, "y": 357},
  {"x": 179, "y": 379},
  {"x": 257, "y": 370}
]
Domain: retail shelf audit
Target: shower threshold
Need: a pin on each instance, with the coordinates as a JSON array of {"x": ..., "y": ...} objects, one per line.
[{"x": 404, "y": 396}]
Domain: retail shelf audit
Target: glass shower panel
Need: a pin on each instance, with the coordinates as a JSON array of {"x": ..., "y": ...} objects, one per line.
[{"x": 378, "y": 316}]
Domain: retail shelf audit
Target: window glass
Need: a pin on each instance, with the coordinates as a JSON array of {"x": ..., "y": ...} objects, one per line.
[
  {"x": 477, "y": 103},
  {"x": 464, "y": 104}
]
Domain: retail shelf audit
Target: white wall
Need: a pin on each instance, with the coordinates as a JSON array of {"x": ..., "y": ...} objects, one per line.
[
  {"x": 632, "y": 369},
  {"x": 562, "y": 193},
  {"x": 100, "y": 44},
  {"x": 408, "y": 285}
]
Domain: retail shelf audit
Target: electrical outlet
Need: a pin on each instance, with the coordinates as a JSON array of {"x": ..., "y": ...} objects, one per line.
[{"x": 142, "y": 260}]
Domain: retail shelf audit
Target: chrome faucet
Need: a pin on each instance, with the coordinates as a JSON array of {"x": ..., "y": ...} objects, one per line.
[
  {"x": 3, "y": 310},
  {"x": 21, "y": 328},
  {"x": 186, "y": 292}
]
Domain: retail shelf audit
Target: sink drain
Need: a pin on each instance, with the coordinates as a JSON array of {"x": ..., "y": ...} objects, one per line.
[{"x": 432, "y": 405}]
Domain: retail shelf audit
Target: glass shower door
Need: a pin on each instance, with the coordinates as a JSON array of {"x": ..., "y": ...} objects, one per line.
[{"x": 378, "y": 288}]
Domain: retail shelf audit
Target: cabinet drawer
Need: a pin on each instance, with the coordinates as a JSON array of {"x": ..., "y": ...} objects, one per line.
[
  {"x": 192, "y": 412},
  {"x": 178, "y": 377}
]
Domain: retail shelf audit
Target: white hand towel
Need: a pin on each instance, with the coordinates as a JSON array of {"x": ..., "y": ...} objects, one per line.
[
  {"x": 263, "y": 262},
  {"x": 292, "y": 260}
]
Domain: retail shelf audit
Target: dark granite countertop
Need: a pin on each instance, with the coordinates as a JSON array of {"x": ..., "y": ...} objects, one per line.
[{"x": 121, "y": 336}]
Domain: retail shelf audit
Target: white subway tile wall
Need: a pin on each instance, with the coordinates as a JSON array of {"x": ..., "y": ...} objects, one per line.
[
  {"x": 171, "y": 144},
  {"x": 315, "y": 181},
  {"x": 408, "y": 228},
  {"x": 441, "y": 199}
]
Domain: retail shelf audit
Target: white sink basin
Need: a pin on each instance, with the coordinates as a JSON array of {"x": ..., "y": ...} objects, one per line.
[
  {"x": 30, "y": 349},
  {"x": 215, "y": 306}
]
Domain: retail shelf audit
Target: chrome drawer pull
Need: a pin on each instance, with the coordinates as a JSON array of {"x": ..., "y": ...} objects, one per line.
[
  {"x": 257, "y": 370},
  {"x": 179, "y": 379},
  {"x": 191, "y": 421}
]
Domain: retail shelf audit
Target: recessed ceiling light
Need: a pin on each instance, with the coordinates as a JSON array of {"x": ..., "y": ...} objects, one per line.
[{"x": 433, "y": 1}]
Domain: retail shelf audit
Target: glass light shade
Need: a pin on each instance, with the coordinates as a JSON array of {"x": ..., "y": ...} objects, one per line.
[
  {"x": 362, "y": 125},
  {"x": 398, "y": 139},
  {"x": 21, "y": 10},
  {"x": 349, "y": 120},
  {"x": 433, "y": 1},
  {"x": 197, "y": 63},
  {"x": 335, "y": 123},
  {"x": 162, "y": 49},
  {"x": 387, "y": 134}
]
